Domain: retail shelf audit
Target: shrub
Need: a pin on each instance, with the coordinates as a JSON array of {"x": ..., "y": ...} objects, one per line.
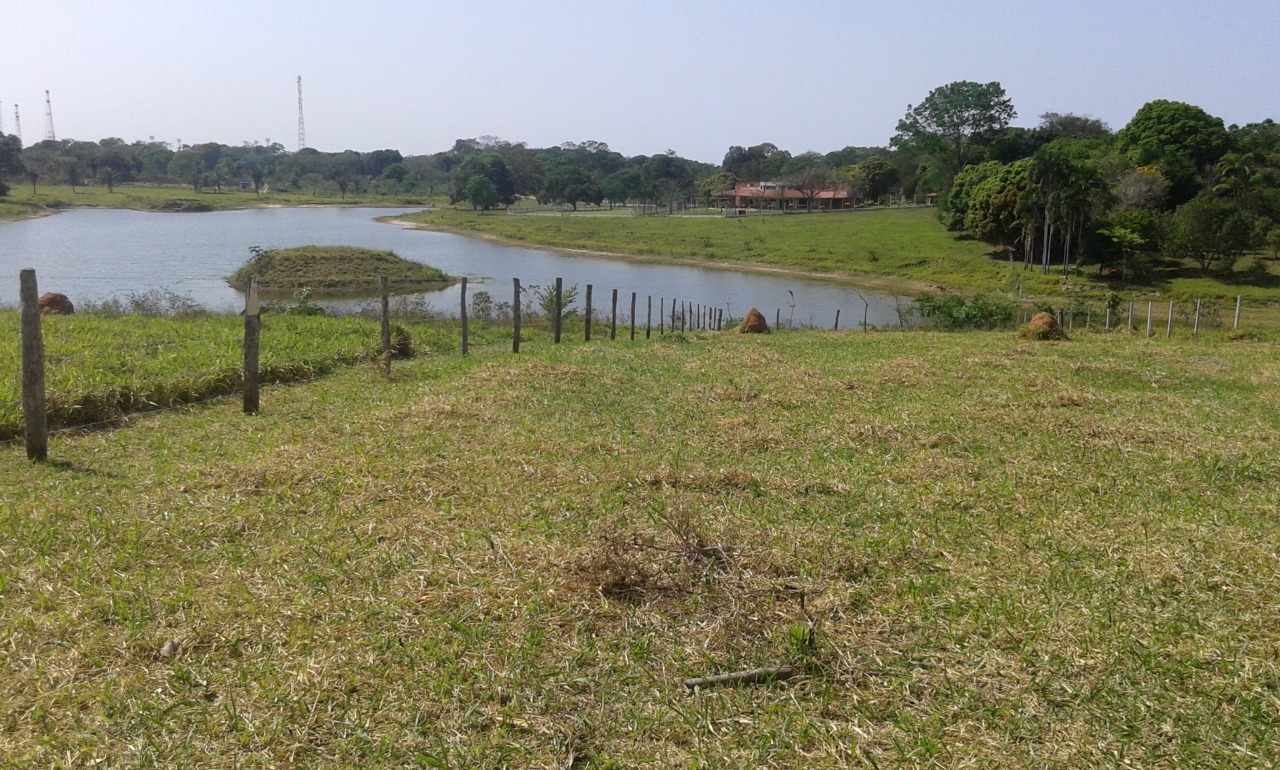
[
  {"x": 952, "y": 311},
  {"x": 401, "y": 342}
]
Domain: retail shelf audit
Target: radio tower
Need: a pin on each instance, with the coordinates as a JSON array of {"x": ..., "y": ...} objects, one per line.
[
  {"x": 48, "y": 118},
  {"x": 17, "y": 124},
  {"x": 302, "y": 127}
]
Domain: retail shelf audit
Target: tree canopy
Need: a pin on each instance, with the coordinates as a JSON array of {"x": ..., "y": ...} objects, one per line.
[{"x": 955, "y": 121}]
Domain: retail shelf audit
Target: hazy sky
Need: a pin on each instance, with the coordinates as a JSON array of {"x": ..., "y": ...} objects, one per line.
[{"x": 643, "y": 76}]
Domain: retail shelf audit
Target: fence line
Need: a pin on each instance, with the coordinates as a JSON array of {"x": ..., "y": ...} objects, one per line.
[{"x": 692, "y": 316}]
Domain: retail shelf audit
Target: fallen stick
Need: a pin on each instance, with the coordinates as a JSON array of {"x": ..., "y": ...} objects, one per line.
[{"x": 751, "y": 676}]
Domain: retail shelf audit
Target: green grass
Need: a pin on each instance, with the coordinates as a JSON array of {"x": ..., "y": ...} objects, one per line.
[
  {"x": 335, "y": 270},
  {"x": 21, "y": 201},
  {"x": 98, "y": 368},
  {"x": 1014, "y": 554},
  {"x": 904, "y": 249},
  {"x": 9, "y": 210}
]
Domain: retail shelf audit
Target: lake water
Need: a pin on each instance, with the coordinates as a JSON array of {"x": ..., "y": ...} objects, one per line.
[{"x": 96, "y": 254}]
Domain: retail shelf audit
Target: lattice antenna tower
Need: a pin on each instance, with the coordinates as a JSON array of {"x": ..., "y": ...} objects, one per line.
[
  {"x": 302, "y": 126},
  {"x": 17, "y": 123},
  {"x": 49, "y": 133}
]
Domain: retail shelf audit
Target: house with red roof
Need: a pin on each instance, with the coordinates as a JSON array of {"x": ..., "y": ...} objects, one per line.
[{"x": 778, "y": 196}]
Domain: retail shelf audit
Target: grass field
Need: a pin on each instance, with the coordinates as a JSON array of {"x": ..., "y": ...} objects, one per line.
[
  {"x": 335, "y": 270},
  {"x": 1010, "y": 554},
  {"x": 101, "y": 367},
  {"x": 906, "y": 248},
  {"x": 21, "y": 202}
]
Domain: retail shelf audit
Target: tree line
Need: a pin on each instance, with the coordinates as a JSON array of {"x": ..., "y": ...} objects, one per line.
[{"x": 1174, "y": 181}]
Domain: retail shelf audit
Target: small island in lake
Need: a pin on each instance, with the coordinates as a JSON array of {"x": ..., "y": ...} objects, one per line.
[{"x": 334, "y": 270}]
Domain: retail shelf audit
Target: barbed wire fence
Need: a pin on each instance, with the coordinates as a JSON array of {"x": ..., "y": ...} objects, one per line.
[{"x": 558, "y": 311}]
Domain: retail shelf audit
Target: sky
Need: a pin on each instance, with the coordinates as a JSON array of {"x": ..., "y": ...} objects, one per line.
[{"x": 644, "y": 77}]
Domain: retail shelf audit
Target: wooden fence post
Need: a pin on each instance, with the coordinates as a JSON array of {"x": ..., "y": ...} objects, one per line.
[
  {"x": 777, "y": 319},
  {"x": 1107, "y": 324},
  {"x": 1195, "y": 327},
  {"x": 662, "y": 314},
  {"x": 683, "y": 313},
  {"x": 515, "y": 315},
  {"x": 587, "y": 327},
  {"x": 1235, "y": 324},
  {"x": 558, "y": 308},
  {"x": 1148, "y": 318},
  {"x": 384, "y": 318},
  {"x": 252, "y": 334},
  {"x": 835, "y": 327},
  {"x": 613, "y": 317},
  {"x": 33, "y": 405},
  {"x": 465, "y": 336},
  {"x": 633, "y": 315},
  {"x": 648, "y": 315},
  {"x": 1130, "y": 322},
  {"x": 1168, "y": 322}
]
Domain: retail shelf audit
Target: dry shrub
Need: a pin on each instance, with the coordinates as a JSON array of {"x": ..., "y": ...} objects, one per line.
[{"x": 636, "y": 566}]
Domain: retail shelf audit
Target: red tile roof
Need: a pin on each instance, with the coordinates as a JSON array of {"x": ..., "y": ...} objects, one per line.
[{"x": 746, "y": 190}]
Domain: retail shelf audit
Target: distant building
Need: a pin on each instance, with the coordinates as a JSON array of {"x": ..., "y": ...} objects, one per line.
[{"x": 777, "y": 196}]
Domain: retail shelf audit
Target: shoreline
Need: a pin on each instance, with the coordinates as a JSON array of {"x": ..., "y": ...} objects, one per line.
[
  {"x": 899, "y": 287},
  {"x": 37, "y": 211}
]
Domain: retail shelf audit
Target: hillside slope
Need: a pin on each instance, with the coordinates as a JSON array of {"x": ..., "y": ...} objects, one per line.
[{"x": 1011, "y": 554}]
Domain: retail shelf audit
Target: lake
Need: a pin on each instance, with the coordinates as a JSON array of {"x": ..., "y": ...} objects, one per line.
[{"x": 96, "y": 254}]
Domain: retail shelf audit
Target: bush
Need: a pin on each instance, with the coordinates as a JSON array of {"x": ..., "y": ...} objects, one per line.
[
  {"x": 401, "y": 342},
  {"x": 303, "y": 305},
  {"x": 952, "y": 311}
]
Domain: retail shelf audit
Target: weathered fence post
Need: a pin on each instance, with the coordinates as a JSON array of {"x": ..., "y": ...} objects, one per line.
[
  {"x": 683, "y": 314},
  {"x": 662, "y": 314},
  {"x": 33, "y": 406},
  {"x": 835, "y": 327},
  {"x": 1195, "y": 326},
  {"x": 1130, "y": 321},
  {"x": 613, "y": 317},
  {"x": 1235, "y": 324},
  {"x": 1148, "y": 318},
  {"x": 586, "y": 333},
  {"x": 777, "y": 319},
  {"x": 252, "y": 334},
  {"x": 633, "y": 315},
  {"x": 515, "y": 315},
  {"x": 466, "y": 340},
  {"x": 1168, "y": 322},
  {"x": 648, "y": 315},
  {"x": 557, "y": 307},
  {"x": 384, "y": 318},
  {"x": 1106, "y": 326}
]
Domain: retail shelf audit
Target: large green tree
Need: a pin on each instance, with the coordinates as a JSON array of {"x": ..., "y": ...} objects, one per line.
[
  {"x": 1211, "y": 231},
  {"x": 955, "y": 122},
  {"x": 573, "y": 185},
  {"x": 1181, "y": 139},
  {"x": 481, "y": 193}
]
